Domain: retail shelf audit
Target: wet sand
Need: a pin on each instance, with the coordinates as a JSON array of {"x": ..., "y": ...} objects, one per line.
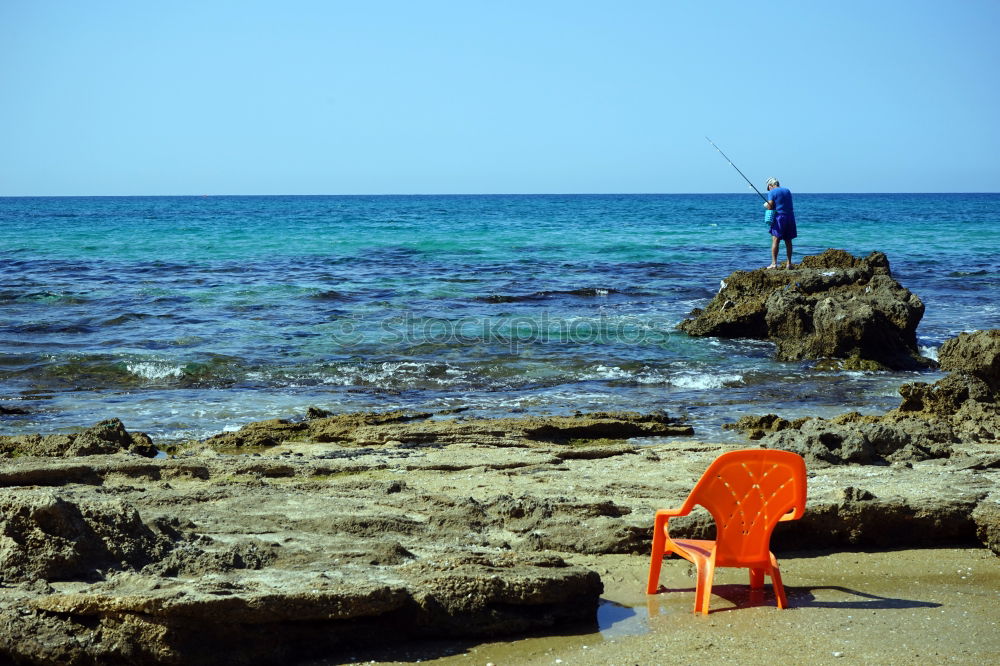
[{"x": 891, "y": 607}]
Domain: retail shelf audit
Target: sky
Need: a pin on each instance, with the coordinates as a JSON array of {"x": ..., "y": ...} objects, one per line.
[{"x": 430, "y": 97}]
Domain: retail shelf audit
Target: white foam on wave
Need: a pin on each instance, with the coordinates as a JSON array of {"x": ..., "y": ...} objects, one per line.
[
  {"x": 607, "y": 372},
  {"x": 644, "y": 376},
  {"x": 153, "y": 370},
  {"x": 650, "y": 377},
  {"x": 930, "y": 352},
  {"x": 704, "y": 381},
  {"x": 395, "y": 373}
]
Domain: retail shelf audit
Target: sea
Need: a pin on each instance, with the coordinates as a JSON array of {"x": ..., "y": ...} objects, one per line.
[{"x": 189, "y": 316}]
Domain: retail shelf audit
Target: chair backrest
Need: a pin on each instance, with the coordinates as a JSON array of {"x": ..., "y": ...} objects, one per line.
[{"x": 747, "y": 492}]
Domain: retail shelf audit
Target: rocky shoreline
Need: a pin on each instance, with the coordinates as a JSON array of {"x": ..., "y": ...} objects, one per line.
[{"x": 291, "y": 540}]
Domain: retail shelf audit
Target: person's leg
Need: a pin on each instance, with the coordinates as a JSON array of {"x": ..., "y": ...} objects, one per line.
[
  {"x": 788, "y": 251},
  {"x": 774, "y": 252}
]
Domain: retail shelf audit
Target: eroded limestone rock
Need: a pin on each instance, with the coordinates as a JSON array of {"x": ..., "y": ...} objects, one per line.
[
  {"x": 931, "y": 420},
  {"x": 378, "y": 429},
  {"x": 833, "y": 305},
  {"x": 107, "y": 436},
  {"x": 44, "y": 536}
]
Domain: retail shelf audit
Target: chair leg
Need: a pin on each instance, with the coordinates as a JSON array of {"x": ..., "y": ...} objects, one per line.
[
  {"x": 655, "y": 562},
  {"x": 779, "y": 589},
  {"x": 703, "y": 590},
  {"x": 756, "y": 578}
]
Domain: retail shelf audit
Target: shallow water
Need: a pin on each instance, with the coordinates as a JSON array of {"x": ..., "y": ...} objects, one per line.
[{"x": 185, "y": 316}]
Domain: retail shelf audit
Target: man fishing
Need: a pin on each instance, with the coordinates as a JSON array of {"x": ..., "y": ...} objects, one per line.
[{"x": 779, "y": 199}]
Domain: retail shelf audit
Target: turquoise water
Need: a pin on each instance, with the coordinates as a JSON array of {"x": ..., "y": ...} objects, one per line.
[{"x": 185, "y": 316}]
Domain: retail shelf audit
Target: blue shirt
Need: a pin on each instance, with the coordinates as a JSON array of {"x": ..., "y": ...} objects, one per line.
[{"x": 782, "y": 198}]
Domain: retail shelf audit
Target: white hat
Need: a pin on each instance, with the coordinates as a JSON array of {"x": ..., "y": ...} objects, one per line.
[{"x": 772, "y": 181}]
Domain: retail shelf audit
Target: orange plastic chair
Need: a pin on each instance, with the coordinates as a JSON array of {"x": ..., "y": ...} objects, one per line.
[{"x": 747, "y": 492}]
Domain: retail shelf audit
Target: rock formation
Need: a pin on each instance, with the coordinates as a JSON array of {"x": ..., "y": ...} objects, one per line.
[
  {"x": 930, "y": 421},
  {"x": 373, "y": 429},
  {"x": 337, "y": 531},
  {"x": 107, "y": 436},
  {"x": 833, "y": 305}
]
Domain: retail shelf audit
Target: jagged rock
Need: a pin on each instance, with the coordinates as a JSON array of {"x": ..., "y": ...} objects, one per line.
[
  {"x": 969, "y": 397},
  {"x": 190, "y": 559},
  {"x": 833, "y": 305},
  {"x": 851, "y": 494},
  {"x": 944, "y": 397},
  {"x": 45, "y": 536},
  {"x": 930, "y": 420},
  {"x": 108, "y": 436},
  {"x": 756, "y": 427},
  {"x": 975, "y": 353},
  {"x": 821, "y": 441}
]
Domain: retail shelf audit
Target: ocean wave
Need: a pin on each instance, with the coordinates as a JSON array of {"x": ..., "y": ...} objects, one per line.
[
  {"x": 154, "y": 370},
  {"x": 387, "y": 375},
  {"x": 103, "y": 371},
  {"x": 703, "y": 381},
  {"x": 653, "y": 376}
]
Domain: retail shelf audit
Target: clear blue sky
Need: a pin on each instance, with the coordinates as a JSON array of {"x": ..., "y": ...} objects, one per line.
[{"x": 375, "y": 97}]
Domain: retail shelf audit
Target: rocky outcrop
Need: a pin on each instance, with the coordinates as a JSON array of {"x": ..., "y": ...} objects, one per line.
[
  {"x": 832, "y": 306},
  {"x": 969, "y": 397},
  {"x": 930, "y": 422},
  {"x": 284, "y": 616},
  {"x": 856, "y": 439},
  {"x": 377, "y": 429},
  {"x": 44, "y": 536},
  {"x": 226, "y": 566},
  {"x": 107, "y": 436},
  {"x": 977, "y": 354}
]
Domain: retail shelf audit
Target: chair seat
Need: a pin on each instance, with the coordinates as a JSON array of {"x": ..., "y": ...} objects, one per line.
[{"x": 702, "y": 549}]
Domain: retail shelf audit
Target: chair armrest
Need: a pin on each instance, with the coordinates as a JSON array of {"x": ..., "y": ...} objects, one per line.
[
  {"x": 672, "y": 513},
  {"x": 664, "y": 515}
]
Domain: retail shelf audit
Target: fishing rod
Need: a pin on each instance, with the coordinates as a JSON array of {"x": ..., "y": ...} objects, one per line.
[{"x": 737, "y": 169}]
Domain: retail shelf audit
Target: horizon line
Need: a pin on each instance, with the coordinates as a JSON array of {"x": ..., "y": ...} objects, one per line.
[{"x": 456, "y": 194}]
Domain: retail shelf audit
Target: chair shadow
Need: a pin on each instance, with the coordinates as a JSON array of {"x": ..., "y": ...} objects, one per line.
[
  {"x": 742, "y": 596},
  {"x": 804, "y": 597}
]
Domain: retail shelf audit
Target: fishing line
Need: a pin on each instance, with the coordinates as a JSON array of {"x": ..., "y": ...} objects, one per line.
[{"x": 737, "y": 169}]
